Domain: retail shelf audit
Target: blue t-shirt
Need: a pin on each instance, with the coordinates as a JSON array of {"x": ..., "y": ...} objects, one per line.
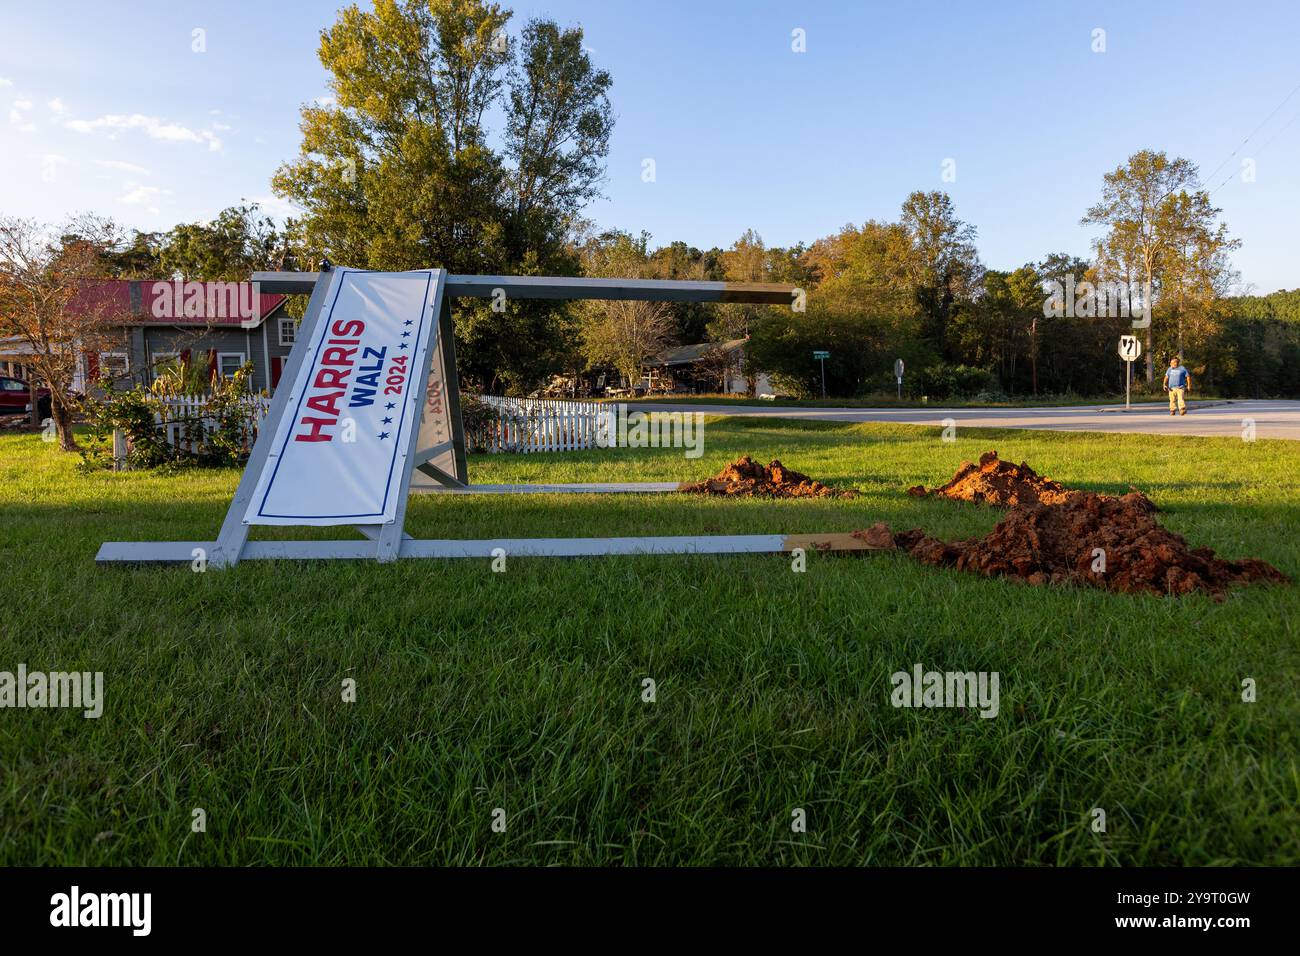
[{"x": 1177, "y": 377}]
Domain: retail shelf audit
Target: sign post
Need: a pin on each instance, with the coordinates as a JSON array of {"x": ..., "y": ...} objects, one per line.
[
  {"x": 368, "y": 411},
  {"x": 822, "y": 357},
  {"x": 1129, "y": 350},
  {"x": 898, "y": 374}
]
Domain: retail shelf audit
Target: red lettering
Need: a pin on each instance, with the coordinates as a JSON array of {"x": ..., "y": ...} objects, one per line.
[
  {"x": 331, "y": 378},
  {"x": 351, "y": 327},
  {"x": 337, "y": 356},
  {"x": 326, "y": 403},
  {"x": 315, "y": 434}
]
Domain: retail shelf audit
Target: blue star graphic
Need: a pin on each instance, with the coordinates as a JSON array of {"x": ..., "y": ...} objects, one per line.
[
  {"x": 390, "y": 405},
  {"x": 383, "y": 435},
  {"x": 408, "y": 322},
  {"x": 406, "y": 334},
  {"x": 403, "y": 346},
  {"x": 388, "y": 421}
]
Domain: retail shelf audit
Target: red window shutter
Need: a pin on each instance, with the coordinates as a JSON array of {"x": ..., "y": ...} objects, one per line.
[
  {"x": 92, "y": 368},
  {"x": 277, "y": 367}
]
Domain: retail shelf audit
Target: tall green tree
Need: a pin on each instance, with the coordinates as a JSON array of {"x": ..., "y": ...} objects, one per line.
[
  {"x": 622, "y": 334},
  {"x": 401, "y": 171},
  {"x": 945, "y": 265},
  {"x": 1160, "y": 231},
  {"x": 1196, "y": 273},
  {"x": 234, "y": 245}
]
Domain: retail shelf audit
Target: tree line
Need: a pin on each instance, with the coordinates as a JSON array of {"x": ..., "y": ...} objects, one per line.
[{"x": 452, "y": 140}]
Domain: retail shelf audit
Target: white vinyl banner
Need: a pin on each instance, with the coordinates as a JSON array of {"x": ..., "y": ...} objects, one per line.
[
  {"x": 435, "y": 426},
  {"x": 340, "y": 447}
]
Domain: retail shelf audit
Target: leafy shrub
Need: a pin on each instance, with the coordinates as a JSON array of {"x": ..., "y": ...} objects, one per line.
[
  {"x": 479, "y": 418},
  {"x": 956, "y": 381},
  {"x": 216, "y": 434}
]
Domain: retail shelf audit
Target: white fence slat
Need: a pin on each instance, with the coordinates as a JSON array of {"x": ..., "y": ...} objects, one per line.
[
  {"x": 183, "y": 423},
  {"x": 526, "y": 426}
]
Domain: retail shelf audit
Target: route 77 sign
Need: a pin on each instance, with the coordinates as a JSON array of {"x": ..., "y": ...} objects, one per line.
[{"x": 1129, "y": 348}]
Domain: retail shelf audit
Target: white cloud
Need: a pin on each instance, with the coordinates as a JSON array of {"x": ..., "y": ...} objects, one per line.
[
  {"x": 120, "y": 166},
  {"x": 56, "y": 105},
  {"x": 137, "y": 195},
  {"x": 17, "y": 118},
  {"x": 275, "y": 206},
  {"x": 154, "y": 127},
  {"x": 327, "y": 100},
  {"x": 50, "y": 164},
  {"x": 5, "y": 81}
]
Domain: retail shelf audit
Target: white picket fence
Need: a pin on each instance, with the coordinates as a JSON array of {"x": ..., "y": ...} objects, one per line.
[
  {"x": 184, "y": 424},
  {"x": 538, "y": 424},
  {"x": 523, "y": 425}
]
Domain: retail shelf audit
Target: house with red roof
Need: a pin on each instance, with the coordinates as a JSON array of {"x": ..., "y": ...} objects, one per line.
[{"x": 161, "y": 322}]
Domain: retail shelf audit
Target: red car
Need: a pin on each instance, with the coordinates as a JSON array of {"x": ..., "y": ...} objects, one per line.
[{"x": 15, "y": 398}]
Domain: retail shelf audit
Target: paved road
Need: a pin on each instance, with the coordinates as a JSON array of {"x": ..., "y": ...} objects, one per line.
[{"x": 1272, "y": 419}]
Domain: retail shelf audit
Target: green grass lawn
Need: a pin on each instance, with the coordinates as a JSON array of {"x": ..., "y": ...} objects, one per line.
[
  {"x": 889, "y": 401},
  {"x": 523, "y": 690}
]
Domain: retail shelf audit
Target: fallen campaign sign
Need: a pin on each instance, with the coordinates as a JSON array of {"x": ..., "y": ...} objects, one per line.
[
  {"x": 337, "y": 455},
  {"x": 368, "y": 412}
]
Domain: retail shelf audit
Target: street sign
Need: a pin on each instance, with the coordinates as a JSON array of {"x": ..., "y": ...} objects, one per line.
[
  {"x": 1129, "y": 349},
  {"x": 819, "y": 355},
  {"x": 898, "y": 369}
]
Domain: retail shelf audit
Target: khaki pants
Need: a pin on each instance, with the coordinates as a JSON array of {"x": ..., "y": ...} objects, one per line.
[{"x": 1176, "y": 399}]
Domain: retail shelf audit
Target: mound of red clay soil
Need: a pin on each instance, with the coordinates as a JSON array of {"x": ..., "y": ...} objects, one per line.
[
  {"x": 746, "y": 478},
  {"x": 1005, "y": 485},
  {"x": 1041, "y": 543}
]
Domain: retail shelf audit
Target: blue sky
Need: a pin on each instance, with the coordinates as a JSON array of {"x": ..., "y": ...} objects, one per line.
[{"x": 114, "y": 112}]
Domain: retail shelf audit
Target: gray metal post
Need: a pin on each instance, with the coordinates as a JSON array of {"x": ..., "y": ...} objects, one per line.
[
  {"x": 447, "y": 332},
  {"x": 234, "y": 533}
]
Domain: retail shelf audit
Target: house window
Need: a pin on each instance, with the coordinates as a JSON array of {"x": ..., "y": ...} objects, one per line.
[
  {"x": 228, "y": 363},
  {"x": 165, "y": 363},
  {"x": 116, "y": 365},
  {"x": 288, "y": 330}
]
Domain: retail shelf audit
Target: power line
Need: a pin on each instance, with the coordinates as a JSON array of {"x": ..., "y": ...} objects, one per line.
[
  {"x": 1232, "y": 175},
  {"x": 1285, "y": 100}
]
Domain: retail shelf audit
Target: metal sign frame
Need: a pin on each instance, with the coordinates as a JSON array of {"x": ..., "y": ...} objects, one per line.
[{"x": 388, "y": 542}]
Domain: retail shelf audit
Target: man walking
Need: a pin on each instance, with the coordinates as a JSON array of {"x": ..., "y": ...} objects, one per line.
[{"x": 1177, "y": 383}]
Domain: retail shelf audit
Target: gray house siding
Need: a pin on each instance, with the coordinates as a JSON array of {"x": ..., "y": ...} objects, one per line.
[
  {"x": 149, "y": 344},
  {"x": 275, "y": 350}
]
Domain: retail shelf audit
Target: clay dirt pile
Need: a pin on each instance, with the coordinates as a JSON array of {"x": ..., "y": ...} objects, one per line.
[
  {"x": 1005, "y": 485},
  {"x": 746, "y": 478},
  {"x": 1053, "y": 534}
]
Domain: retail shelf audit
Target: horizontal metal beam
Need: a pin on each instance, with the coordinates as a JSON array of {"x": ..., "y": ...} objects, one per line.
[
  {"x": 185, "y": 552},
  {"x": 641, "y": 290},
  {"x": 287, "y": 283},
  {"x": 578, "y": 488},
  {"x": 563, "y": 287}
]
